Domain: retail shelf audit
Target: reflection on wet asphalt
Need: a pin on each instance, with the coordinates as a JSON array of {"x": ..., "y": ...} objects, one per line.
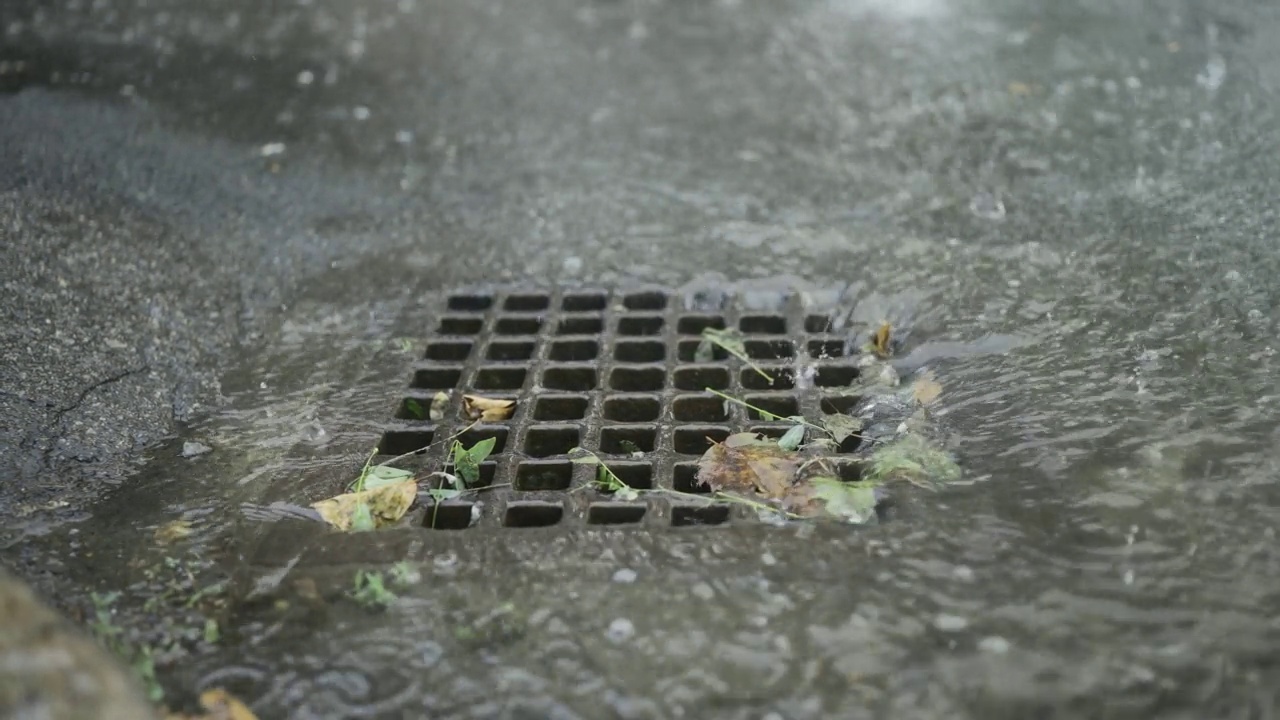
[{"x": 1069, "y": 204}]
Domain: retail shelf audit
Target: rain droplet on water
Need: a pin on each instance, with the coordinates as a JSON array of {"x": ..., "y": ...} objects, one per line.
[{"x": 620, "y": 630}]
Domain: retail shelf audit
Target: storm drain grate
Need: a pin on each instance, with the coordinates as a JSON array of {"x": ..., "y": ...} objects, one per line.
[{"x": 615, "y": 373}]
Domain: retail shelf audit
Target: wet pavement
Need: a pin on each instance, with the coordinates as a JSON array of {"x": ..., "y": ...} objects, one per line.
[{"x": 219, "y": 222}]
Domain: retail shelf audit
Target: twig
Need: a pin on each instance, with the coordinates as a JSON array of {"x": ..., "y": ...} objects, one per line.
[{"x": 765, "y": 414}]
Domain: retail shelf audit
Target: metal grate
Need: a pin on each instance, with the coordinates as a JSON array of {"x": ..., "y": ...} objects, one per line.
[{"x": 610, "y": 372}]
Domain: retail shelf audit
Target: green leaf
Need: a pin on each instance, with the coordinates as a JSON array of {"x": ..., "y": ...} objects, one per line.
[
  {"x": 211, "y": 632},
  {"x": 705, "y": 352},
  {"x": 854, "y": 503},
  {"x": 362, "y": 518},
  {"x": 841, "y": 426},
  {"x": 415, "y": 409},
  {"x": 630, "y": 447},
  {"x": 466, "y": 468},
  {"x": 380, "y": 475},
  {"x": 730, "y": 340},
  {"x": 453, "y": 480},
  {"x": 482, "y": 450},
  {"x": 442, "y": 494},
  {"x": 583, "y": 456},
  {"x": 792, "y": 439}
]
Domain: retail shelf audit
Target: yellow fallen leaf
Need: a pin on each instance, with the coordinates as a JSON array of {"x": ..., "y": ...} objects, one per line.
[
  {"x": 218, "y": 704},
  {"x": 478, "y": 407},
  {"x": 880, "y": 344},
  {"x": 172, "y": 532},
  {"x": 439, "y": 403},
  {"x": 926, "y": 389},
  {"x": 222, "y": 705},
  {"x": 386, "y": 504}
]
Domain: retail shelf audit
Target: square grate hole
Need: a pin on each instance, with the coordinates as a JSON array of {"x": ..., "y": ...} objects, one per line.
[
  {"x": 510, "y": 350},
  {"x": 701, "y": 378},
  {"x": 695, "y": 324},
  {"x": 685, "y": 479},
  {"x": 532, "y": 514},
  {"x": 545, "y": 441},
  {"x": 826, "y": 348},
  {"x": 613, "y": 513},
  {"x": 637, "y": 379},
  {"x": 402, "y": 442},
  {"x": 518, "y": 325},
  {"x": 574, "y": 350},
  {"x": 838, "y": 403},
  {"x": 460, "y": 325},
  {"x": 560, "y": 407},
  {"x": 779, "y": 405},
  {"x": 689, "y": 515},
  {"x": 527, "y": 303},
  {"x": 500, "y": 378},
  {"x": 449, "y": 516},
  {"x": 696, "y": 440},
  {"x": 772, "y": 432},
  {"x": 470, "y": 303},
  {"x": 639, "y": 352},
  {"x": 414, "y": 408},
  {"x": 584, "y": 302},
  {"x": 640, "y": 325},
  {"x": 779, "y": 379},
  {"x": 617, "y": 440},
  {"x": 700, "y": 408},
  {"x": 848, "y": 470},
  {"x": 763, "y": 324},
  {"x": 470, "y": 437},
  {"x": 437, "y": 378},
  {"x": 770, "y": 349},
  {"x": 645, "y": 301},
  {"x": 539, "y": 475},
  {"x": 448, "y": 351},
  {"x": 580, "y": 326},
  {"x": 687, "y": 351},
  {"x": 575, "y": 379},
  {"x": 817, "y": 323},
  {"x": 632, "y": 408},
  {"x": 637, "y": 475},
  {"x": 835, "y": 375}
]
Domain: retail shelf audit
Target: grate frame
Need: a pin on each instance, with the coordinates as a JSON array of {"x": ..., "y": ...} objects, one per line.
[{"x": 595, "y": 367}]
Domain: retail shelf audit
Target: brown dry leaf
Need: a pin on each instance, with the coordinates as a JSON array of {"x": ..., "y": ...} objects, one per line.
[
  {"x": 880, "y": 343},
  {"x": 745, "y": 462},
  {"x": 478, "y": 407},
  {"x": 218, "y": 704},
  {"x": 386, "y": 504},
  {"x": 926, "y": 389},
  {"x": 173, "y": 531}
]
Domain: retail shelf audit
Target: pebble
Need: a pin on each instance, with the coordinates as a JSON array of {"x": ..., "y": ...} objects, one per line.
[{"x": 192, "y": 449}]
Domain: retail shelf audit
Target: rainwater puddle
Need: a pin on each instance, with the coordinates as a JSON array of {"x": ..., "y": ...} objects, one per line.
[{"x": 1105, "y": 544}]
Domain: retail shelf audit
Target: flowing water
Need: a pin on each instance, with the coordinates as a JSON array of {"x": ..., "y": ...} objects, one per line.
[{"x": 1066, "y": 205}]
